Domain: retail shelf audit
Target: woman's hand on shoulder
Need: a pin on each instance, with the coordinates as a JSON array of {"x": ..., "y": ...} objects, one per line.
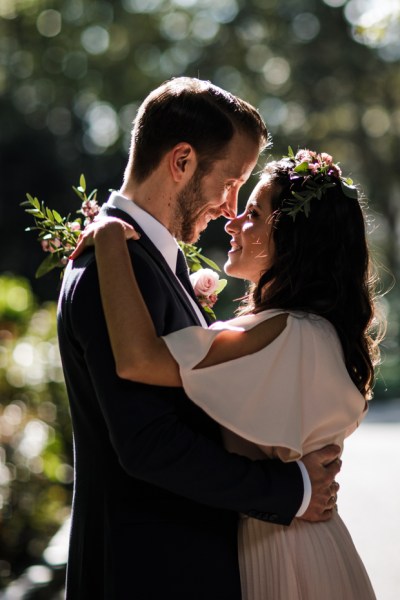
[{"x": 103, "y": 228}]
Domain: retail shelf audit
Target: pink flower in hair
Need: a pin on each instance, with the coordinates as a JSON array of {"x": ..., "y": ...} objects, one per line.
[
  {"x": 335, "y": 170},
  {"x": 326, "y": 158},
  {"x": 314, "y": 167},
  {"x": 305, "y": 156}
]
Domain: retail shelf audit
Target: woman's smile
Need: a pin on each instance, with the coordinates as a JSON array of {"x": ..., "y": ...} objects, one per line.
[{"x": 235, "y": 247}]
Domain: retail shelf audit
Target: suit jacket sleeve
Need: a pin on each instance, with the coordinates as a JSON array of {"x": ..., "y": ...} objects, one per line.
[{"x": 151, "y": 440}]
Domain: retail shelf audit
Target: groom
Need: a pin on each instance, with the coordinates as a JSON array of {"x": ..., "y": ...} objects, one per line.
[{"x": 156, "y": 496}]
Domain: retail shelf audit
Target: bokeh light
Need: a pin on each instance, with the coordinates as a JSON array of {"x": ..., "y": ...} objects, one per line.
[
  {"x": 306, "y": 26},
  {"x": 49, "y": 23},
  {"x": 102, "y": 127},
  {"x": 276, "y": 71},
  {"x": 95, "y": 39},
  {"x": 376, "y": 121},
  {"x": 175, "y": 25},
  {"x": 142, "y": 6},
  {"x": 376, "y": 23}
]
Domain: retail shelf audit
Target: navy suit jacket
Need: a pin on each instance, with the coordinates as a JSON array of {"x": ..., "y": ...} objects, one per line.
[{"x": 156, "y": 496}]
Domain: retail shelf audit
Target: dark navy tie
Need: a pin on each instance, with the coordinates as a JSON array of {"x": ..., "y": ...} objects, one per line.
[{"x": 182, "y": 273}]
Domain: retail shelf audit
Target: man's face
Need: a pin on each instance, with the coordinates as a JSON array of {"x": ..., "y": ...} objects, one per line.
[{"x": 207, "y": 197}]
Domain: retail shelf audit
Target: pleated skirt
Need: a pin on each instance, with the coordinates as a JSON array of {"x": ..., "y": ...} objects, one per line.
[{"x": 305, "y": 561}]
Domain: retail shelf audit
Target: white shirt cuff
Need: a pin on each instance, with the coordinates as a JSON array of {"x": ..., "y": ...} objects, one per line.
[{"x": 307, "y": 490}]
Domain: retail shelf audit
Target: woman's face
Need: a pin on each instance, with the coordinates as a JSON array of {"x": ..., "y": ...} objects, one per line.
[{"x": 252, "y": 250}]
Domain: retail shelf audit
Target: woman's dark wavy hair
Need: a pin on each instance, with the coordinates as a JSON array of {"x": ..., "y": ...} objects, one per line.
[{"x": 322, "y": 266}]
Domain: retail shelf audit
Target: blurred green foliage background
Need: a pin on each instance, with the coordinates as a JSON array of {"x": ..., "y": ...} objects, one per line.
[{"x": 324, "y": 74}]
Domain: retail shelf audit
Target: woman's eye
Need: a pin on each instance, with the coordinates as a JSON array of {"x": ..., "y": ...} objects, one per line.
[{"x": 252, "y": 213}]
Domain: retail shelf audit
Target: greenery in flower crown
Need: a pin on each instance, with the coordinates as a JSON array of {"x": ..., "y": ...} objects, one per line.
[
  {"x": 319, "y": 173},
  {"x": 59, "y": 236}
]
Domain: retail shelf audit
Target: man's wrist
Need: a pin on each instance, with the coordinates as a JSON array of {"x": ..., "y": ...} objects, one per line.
[{"x": 307, "y": 490}]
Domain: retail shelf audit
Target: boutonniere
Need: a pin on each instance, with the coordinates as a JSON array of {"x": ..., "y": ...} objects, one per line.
[
  {"x": 207, "y": 285},
  {"x": 58, "y": 236},
  {"x": 205, "y": 281}
]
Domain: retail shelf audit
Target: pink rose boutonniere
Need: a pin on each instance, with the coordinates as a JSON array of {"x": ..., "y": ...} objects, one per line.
[{"x": 207, "y": 285}]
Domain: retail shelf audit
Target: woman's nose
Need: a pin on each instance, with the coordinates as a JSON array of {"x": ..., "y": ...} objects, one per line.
[{"x": 233, "y": 225}]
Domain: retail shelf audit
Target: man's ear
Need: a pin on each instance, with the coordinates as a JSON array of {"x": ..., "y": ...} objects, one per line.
[{"x": 182, "y": 162}]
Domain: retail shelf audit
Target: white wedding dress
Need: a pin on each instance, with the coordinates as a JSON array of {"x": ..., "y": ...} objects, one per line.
[{"x": 288, "y": 399}]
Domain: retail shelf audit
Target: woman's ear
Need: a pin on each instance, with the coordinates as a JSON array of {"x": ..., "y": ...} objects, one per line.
[{"x": 182, "y": 162}]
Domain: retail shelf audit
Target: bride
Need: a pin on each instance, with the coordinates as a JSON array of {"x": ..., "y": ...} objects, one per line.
[{"x": 292, "y": 373}]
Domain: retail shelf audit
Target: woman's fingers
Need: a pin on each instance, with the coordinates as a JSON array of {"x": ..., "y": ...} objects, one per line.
[
  {"x": 88, "y": 235},
  {"x": 131, "y": 233},
  {"x": 84, "y": 240}
]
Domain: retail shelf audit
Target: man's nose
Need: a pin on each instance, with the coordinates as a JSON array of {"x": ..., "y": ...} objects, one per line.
[{"x": 229, "y": 207}]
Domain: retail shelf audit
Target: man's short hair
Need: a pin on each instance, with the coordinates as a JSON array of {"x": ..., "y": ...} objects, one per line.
[{"x": 189, "y": 110}]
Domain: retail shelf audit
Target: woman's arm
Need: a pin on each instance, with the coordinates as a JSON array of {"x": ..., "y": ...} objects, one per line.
[
  {"x": 140, "y": 355},
  {"x": 229, "y": 345}
]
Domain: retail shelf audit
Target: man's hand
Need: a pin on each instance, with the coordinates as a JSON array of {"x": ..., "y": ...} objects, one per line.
[{"x": 322, "y": 467}]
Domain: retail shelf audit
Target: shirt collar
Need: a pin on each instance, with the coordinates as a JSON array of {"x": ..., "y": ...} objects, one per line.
[{"x": 155, "y": 231}]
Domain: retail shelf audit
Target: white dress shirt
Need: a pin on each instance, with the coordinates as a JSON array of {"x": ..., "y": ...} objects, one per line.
[
  {"x": 159, "y": 235},
  {"x": 168, "y": 246}
]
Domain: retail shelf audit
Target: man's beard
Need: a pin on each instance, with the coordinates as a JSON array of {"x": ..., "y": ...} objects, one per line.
[{"x": 189, "y": 203}]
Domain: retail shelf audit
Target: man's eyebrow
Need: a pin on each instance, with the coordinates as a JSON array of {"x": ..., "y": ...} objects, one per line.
[{"x": 237, "y": 177}]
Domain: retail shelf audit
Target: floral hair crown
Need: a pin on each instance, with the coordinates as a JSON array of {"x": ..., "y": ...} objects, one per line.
[{"x": 319, "y": 173}]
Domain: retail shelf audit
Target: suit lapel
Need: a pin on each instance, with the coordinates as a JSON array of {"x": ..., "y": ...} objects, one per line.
[{"x": 156, "y": 255}]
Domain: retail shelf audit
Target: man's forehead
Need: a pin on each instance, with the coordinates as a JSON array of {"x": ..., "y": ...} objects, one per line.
[{"x": 239, "y": 167}]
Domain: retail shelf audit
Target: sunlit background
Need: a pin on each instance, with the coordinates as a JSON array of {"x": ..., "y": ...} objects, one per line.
[{"x": 324, "y": 74}]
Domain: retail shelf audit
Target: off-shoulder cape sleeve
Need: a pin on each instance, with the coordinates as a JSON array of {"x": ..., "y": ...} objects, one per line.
[{"x": 294, "y": 395}]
